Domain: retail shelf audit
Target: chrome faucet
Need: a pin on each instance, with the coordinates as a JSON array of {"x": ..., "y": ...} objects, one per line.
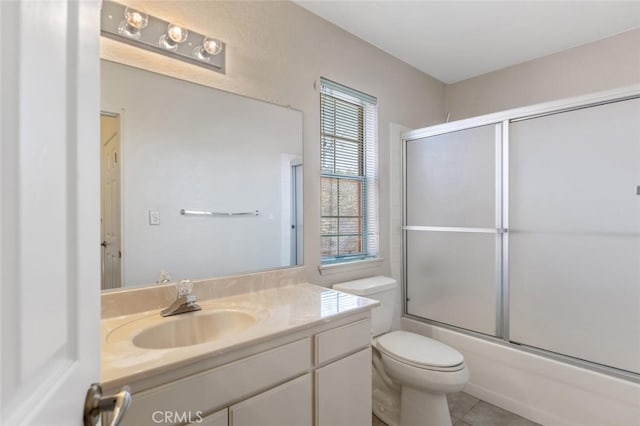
[{"x": 185, "y": 301}]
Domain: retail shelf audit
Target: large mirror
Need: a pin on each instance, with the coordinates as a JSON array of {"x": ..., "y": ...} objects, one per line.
[{"x": 196, "y": 182}]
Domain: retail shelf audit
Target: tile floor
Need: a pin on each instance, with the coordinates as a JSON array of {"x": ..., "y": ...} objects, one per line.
[{"x": 469, "y": 411}]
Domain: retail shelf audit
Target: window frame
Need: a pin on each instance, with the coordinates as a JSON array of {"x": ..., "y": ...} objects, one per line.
[{"x": 367, "y": 178}]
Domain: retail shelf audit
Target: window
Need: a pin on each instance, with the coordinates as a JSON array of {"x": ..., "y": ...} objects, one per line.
[{"x": 349, "y": 173}]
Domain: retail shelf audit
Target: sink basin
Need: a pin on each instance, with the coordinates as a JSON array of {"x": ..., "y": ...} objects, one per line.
[{"x": 194, "y": 328}]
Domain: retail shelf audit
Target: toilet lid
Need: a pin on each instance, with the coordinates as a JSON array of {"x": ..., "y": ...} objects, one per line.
[{"x": 419, "y": 351}]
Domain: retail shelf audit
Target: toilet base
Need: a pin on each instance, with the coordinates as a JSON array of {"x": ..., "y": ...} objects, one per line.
[
  {"x": 386, "y": 400},
  {"x": 420, "y": 408}
]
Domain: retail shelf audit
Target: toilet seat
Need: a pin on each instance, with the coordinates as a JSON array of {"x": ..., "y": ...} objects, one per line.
[{"x": 420, "y": 351}]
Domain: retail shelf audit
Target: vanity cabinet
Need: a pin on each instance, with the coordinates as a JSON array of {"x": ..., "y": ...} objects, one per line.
[
  {"x": 197, "y": 395},
  {"x": 322, "y": 378}
]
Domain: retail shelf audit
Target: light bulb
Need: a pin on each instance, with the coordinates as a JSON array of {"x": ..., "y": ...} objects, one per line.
[
  {"x": 210, "y": 47},
  {"x": 175, "y": 34},
  {"x": 134, "y": 21},
  {"x": 135, "y": 18}
]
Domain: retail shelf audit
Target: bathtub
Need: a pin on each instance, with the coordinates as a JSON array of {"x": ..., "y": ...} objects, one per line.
[{"x": 541, "y": 389}]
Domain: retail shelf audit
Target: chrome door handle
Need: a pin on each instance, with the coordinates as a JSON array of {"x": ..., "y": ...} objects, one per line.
[{"x": 95, "y": 404}]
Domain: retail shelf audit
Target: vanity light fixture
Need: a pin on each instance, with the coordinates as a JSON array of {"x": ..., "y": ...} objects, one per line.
[{"x": 137, "y": 28}]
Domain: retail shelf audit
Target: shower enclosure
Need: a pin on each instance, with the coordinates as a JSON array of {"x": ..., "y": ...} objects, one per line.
[{"x": 524, "y": 227}]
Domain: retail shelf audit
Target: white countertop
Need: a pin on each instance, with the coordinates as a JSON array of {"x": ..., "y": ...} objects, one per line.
[{"x": 280, "y": 311}]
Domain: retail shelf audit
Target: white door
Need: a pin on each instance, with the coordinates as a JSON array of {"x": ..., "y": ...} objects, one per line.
[
  {"x": 49, "y": 210},
  {"x": 296, "y": 215},
  {"x": 110, "y": 199}
]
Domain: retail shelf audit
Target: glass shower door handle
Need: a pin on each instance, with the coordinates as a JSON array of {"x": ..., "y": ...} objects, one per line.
[{"x": 455, "y": 229}]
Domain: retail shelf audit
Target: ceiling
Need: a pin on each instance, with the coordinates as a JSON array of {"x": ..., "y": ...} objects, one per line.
[{"x": 455, "y": 40}]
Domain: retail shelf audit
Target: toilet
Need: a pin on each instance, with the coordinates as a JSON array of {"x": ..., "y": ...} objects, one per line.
[{"x": 411, "y": 373}]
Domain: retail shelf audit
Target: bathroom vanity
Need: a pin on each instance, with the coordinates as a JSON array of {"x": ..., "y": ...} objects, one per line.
[{"x": 292, "y": 355}]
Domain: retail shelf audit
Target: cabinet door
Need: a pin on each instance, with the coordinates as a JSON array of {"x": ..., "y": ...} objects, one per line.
[
  {"x": 343, "y": 391},
  {"x": 286, "y": 405},
  {"x": 219, "y": 418}
]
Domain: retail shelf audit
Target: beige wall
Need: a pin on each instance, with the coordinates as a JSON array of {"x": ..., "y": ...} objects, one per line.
[
  {"x": 606, "y": 64},
  {"x": 277, "y": 51}
]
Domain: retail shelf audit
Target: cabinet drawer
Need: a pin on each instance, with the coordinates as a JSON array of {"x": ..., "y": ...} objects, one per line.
[
  {"x": 341, "y": 341},
  {"x": 213, "y": 389}
]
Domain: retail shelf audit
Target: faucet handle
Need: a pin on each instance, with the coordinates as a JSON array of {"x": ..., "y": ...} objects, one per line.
[
  {"x": 164, "y": 277},
  {"x": 184, "y": 287}
]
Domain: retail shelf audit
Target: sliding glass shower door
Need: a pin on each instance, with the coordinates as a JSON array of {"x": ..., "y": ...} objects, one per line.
[
  {"x": 565, "y": 278},
  {"x": 574, "y": 240},
  {"x": 452, "y": 228}
]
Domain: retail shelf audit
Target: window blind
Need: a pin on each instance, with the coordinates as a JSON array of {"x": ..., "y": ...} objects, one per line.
[{"x": 349, "y": 173}]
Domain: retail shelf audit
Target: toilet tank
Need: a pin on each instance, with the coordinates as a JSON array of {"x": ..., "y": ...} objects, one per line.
[{"x": 379, "y": 288}]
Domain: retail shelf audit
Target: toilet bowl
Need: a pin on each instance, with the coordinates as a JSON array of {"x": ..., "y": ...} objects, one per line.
[
  {"x": 411, "y": 373},
  {"x": 426, "y": 370}
]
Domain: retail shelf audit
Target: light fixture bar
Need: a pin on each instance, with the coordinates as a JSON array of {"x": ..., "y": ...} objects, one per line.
[{"x": 113, "y": 14}]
